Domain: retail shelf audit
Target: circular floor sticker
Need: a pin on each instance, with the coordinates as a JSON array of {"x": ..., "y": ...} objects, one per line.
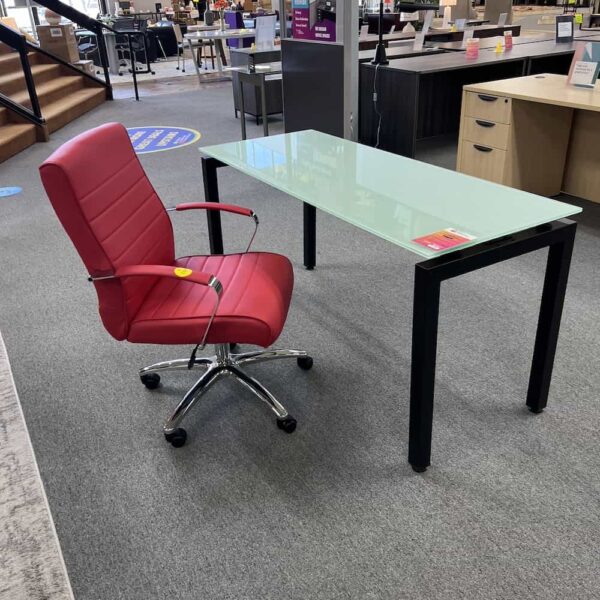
[
  {"x": 158, "y": 139},
  {"x": 9, "y": 191}
]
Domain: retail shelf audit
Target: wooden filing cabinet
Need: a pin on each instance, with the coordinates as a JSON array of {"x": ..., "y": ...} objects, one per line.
[
  {"x": 517, "y": 143},
  {"x": 536, "y": 133}
]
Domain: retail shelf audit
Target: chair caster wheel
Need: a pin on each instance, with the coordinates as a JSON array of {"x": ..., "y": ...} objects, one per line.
[
  {"x": 305, "y": 362},
  {"x": 288, "y": 424},
  {"x": 177, "y": 437},
  {"x": 150, "y": 380},
  {"x": 536, "y": 411}
]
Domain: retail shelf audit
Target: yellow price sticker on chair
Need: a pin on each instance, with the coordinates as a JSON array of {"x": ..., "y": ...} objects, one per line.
[
  {"x": 579, "y": 18},
  {"x": 181, "y": 272}
]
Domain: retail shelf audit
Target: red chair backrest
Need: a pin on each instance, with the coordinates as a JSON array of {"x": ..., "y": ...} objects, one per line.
[{"x": 112, "y": 214}]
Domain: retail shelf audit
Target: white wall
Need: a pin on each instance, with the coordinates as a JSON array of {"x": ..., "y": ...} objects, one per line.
[{"x": 146, "y": 5}]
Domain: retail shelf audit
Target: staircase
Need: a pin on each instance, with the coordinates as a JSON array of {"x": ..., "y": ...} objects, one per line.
[{"x": 63, "y": 96}]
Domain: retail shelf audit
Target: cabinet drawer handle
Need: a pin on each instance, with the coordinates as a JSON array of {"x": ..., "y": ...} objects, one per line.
[
  {"x": 487, "y": 98},
  {"x": 482, "y": 148},
  {"x": 484, "y": 123}
]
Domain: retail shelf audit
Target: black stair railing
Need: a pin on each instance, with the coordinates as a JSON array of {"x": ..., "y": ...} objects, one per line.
[
  {"x": 17, "y": 41},
  {"x": 96, "y": 27},
  {"x": 81, "y": 19}
]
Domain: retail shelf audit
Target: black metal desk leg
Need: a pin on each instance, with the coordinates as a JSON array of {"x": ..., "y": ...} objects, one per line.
[
  {"x": 242, "y": 107},
  {"x": 553, "y": 296},
  {"x": 310, "y": 236},
  {"x": 263, "y": 105},
  {"x": 422, "y": 380},
  {"x": 211, "y": 194}
]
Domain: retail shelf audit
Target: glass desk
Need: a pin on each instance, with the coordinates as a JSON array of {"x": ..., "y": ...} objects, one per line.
[{"x": 402, "y": 200}]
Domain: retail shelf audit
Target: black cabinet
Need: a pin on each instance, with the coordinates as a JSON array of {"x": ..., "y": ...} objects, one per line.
[{"x": 245, "y": 56}]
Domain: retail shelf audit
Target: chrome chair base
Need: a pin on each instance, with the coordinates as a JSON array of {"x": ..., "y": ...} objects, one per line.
[{"x": 223, "y": 363}]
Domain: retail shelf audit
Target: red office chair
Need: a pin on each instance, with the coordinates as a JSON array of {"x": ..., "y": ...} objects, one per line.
[{"x": 124, "y": 236}]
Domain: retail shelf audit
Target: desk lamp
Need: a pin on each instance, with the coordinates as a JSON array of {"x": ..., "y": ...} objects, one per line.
[
  {"x": 380, "y": 56},
  {"x": 447, "y": 4}
]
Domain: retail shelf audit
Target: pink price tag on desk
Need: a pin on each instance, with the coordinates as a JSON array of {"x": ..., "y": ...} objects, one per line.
[{"x": 444, "y": 239}]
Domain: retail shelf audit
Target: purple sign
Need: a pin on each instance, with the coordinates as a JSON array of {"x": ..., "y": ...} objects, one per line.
[
  {"x": 313, "y": 20},
  {"x": 157, "y": 139}
]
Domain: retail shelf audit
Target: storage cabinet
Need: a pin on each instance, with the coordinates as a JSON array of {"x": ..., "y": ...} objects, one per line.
[
  {"x": 517, "y": 143},
  {"x": 484, "y": 136},
  {"x": 252, "y": 103},
  {"x": 533, "y": 133}
]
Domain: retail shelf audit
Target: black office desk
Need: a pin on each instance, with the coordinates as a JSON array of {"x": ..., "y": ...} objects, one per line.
[
  {"x": 492, "y": 41},
  {"x": 421, "y": 97},
  {"x": 542, "y": 36},
  {"x": 444, "y": 35},
  {"x": 396, "y": 52}
]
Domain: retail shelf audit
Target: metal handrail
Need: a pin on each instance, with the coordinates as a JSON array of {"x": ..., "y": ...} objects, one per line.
[
  {"x": 97, "y": 28},
  {"x": 17, "y": 41},
  {"x": 83, "y": 21},
  {"x": 21, "y": 110}
]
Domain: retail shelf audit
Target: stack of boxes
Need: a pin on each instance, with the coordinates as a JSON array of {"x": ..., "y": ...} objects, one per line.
[{"x": 59, "y": 40}]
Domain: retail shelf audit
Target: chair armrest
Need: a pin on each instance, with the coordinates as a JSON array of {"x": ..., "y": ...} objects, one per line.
[
  {"x": 199, "y": 277},
  {"x": 232, "y": 208}
]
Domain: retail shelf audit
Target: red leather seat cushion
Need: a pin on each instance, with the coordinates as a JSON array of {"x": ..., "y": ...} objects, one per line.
[{"x": 257, "y": 288}]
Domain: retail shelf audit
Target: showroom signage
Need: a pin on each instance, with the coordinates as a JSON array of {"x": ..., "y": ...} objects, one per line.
[
  {"x": 158, "y": 138},
  {"x": 314, "y": 20}
]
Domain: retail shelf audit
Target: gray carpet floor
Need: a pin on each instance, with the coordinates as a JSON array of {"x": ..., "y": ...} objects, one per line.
[
  {"x": 509, "y": 509},
  {"x": 31, "y": 565}
]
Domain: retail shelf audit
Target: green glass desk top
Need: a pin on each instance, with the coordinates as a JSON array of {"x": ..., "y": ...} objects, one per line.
[{"x": 393, "y": 197}]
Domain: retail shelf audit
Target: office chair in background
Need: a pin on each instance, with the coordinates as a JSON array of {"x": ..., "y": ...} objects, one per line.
[
  {"x": 139, "y": 43},
  {"x": 124, "y": 236},
  {"x": 199, "y": 46},
  {"x": 87, "y": 45}
]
